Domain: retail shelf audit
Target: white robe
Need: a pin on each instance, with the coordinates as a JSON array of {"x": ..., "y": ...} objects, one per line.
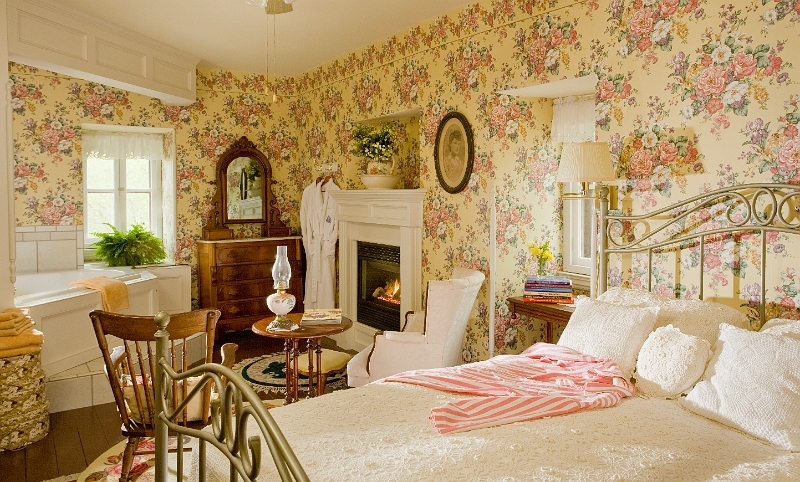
[{"x": 320, "y": 229}]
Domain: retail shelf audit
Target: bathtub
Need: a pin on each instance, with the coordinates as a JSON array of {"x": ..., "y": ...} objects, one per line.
[{"x": 61, "y": 312}]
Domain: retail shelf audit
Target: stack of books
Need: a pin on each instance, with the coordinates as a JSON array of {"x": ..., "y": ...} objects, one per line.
[
  {"x": 328, "y": 316},
  {"x": 548, "y": 289}
]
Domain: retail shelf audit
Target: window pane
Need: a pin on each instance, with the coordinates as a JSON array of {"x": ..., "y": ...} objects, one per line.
[
  {"x": 138, "y": 204},
  {"x": 100, "y": 173},
  {"x": 137, "y": 173},
  {"x": 99, "y": 210},
  {"x": 586, "y": 228}
]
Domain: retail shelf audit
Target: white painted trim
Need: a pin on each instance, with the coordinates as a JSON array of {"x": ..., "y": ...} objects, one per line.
[
  {"x": 559, "y": 88},
  {"x": 48, "y": 35}
]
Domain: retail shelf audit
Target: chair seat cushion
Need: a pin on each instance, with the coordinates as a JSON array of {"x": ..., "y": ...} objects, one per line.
[{"x": 332, "y": 361}]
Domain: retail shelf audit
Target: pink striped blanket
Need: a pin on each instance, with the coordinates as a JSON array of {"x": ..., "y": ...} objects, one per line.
[{"x": 543, "y": 381}]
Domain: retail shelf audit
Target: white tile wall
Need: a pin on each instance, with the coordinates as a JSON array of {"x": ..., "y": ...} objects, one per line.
[{"x": 49, "y": 248}]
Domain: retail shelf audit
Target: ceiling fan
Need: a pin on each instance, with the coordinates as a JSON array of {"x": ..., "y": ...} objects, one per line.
[{"x": 273, "y": 7}]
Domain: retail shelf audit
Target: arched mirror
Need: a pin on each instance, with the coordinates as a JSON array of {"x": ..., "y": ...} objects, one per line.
[{"x": 244, "y": 193}]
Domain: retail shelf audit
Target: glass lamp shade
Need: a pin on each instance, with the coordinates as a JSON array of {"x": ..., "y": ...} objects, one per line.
[{"x": 281, "y": 302}]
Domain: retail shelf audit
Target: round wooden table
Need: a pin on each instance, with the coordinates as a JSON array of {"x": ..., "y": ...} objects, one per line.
[{"x": 313, "y": 333}]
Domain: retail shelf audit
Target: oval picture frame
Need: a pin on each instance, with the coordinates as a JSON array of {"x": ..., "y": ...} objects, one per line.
[{"x": 453, "y": 152}]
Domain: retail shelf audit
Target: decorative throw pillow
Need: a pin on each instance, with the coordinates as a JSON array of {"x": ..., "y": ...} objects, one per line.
[
  {"x": 605, "y": 330},
  {"x": 194, "y": 410},
  {"x": 692, "y": 317},
  {"x": 670, "y": 362},
  {"x": 782, "y": 326},
  {"x": 752, "y": 384}
]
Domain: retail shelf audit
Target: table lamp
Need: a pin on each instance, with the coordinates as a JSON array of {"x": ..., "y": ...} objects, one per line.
[{"x": 281, "y": 302}]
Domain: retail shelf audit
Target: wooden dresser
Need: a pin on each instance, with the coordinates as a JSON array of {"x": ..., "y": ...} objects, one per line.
[{"x": 236, "y": 277}]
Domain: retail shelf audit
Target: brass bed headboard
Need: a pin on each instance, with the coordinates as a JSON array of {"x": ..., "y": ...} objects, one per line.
[{"x": 726, "y": 213}]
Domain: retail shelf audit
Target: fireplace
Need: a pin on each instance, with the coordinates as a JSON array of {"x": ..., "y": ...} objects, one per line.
[
  {"x": 391, "y": 219},
  {"x": 379, "y": 285}
]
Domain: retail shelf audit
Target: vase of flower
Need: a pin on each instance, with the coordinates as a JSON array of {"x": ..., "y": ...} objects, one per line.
[
  {"x": 376, "y": 146},
  {"x": 542, "y": 255}
]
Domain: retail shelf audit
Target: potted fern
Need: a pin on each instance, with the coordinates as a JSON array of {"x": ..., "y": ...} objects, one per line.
[{"x": 134, "y": 247}]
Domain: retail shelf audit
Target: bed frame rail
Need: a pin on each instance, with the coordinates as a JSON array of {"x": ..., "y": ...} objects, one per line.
[
  {"x": 758, "y": 208},
  {"x": 228, "y": 426}
]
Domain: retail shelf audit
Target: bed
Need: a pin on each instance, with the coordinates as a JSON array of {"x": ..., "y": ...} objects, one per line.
[{"x": 704, "y": 409}]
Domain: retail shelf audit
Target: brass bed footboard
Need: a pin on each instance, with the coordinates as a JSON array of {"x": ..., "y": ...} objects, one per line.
[{"x": 230, "y": 412}]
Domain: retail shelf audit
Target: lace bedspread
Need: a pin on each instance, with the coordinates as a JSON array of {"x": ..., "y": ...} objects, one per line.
[{"x": 382, "y": 432}]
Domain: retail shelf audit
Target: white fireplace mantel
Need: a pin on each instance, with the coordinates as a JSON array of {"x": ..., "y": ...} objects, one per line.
[{"x": 383, "y": 216}]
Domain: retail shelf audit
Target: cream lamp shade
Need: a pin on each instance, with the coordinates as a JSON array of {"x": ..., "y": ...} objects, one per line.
[{"x": 585, "y": 162}]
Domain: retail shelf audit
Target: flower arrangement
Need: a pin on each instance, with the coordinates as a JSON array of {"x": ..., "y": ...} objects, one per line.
[
  {"x": 373, "y": 143},
  {"x": 542, "y": 254}
]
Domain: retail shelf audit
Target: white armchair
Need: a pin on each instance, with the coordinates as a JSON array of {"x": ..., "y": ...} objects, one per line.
[{"x": 430, "y": 339}]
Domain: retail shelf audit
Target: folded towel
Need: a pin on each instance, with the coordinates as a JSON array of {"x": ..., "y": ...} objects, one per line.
[
  {"x": 113, "y": 292},
  {"x": 25, "y": 350},
  {"x": 29, "y": 337},
  {"x": 15, "y": 323},
  {"x": 12, "y": 313},
  {"x": 17, "y": 329}
]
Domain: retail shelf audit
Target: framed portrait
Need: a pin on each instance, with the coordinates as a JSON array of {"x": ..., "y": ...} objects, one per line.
[{"x": 453, "y": 152}]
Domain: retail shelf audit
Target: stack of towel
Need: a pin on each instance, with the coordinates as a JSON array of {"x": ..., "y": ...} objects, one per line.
[
  {"x": 17, "y": 335},
  {"x": 24, "y": 407}
]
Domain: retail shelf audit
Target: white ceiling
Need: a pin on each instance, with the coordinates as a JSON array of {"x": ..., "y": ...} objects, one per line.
[{"x": 231, "y": 34}]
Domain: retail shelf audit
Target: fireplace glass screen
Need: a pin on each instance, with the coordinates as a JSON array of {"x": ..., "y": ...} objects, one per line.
[{"x": 379, "y": 286}]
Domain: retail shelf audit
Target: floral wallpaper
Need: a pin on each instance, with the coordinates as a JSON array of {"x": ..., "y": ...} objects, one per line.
[{"x": 692, "y": 95}]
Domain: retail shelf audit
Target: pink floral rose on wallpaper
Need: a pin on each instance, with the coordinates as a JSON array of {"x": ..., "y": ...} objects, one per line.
[
  {"x": 409, "y": 79},
  {"x": 781, "y": 9},
  {"x": 246, "y": 110},
  {"x": 726, "y": 76},
  {"x": 464, "y": 66},
  {"x": 300, "y": 112},
  {"x": 27, "y": 175},
  {"x": 98, "y": 101},
  {"x": 641, "y": 27},
  {"x": 331, "y": 104},
  {"x": 52, "y": 136},
  {"x": 210, "y": 141},
  {"x": 279, "y": 144},
  {"x": 365, "y": 93},
  {"x": 776, "y": 150},
  {"x": 503, "y": 117},
  {"x": 24, "y": 97},
  {"x": 542, "y": 48}
]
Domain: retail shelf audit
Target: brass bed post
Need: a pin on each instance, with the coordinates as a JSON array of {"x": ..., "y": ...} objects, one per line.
[
  {"x": 162, "y": 433},
  {"x": 602, "y": 274}
]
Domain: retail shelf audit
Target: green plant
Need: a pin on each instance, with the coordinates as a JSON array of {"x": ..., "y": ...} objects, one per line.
[
  {"x": 135, "y": 247},
  {"x": 374, "y": 143}
]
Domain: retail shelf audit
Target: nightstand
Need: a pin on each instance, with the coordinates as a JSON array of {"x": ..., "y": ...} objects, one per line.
[{"x": 549, "y": 313}]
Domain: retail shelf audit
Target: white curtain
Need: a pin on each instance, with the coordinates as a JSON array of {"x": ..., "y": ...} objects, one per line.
[
  {"x": 573, "y": 119},
  {"x": 113, "y": 145},
  {"x": 169, "y": 187}
]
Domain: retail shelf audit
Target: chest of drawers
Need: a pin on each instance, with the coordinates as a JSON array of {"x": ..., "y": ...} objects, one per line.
[{"x": 235, "y": 277}]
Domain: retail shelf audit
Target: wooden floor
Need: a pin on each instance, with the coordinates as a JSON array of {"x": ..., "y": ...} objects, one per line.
[{"x": 78, "y": 437}]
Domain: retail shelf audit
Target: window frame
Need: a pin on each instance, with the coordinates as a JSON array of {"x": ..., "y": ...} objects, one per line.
[{"x": 161, "y": 203}]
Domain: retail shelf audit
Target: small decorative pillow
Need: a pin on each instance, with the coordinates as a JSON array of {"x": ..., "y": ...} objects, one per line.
[
  {"x": 752, "y": 384},
  {"x": 631, "y": 297},
  {"x": 782, "y": 326},
  {"x": 605, "y": 330},
  {"x": 670, "y": 362},
  {"x": 194, "y": 410}
]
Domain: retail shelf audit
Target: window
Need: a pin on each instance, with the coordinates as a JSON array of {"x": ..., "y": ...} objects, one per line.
[
  {"x": 577, "y": 247},
  {"x": 574, "y": 121},
  {"x": 124, "y": 173}
]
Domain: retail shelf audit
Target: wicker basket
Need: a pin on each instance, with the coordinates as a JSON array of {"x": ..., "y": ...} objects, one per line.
[{"x": 24, "y": 407}]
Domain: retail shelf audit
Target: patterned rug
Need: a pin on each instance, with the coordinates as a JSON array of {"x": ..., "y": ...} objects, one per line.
[
  {"x": 268, "y": 374},
  {"x": 108, "y": 466}
]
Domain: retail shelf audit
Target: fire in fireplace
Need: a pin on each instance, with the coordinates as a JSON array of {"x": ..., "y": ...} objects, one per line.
[{"x": 379, "y": 285}]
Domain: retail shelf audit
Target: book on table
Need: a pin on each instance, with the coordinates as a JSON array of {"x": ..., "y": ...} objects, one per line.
[{"x": 322, "y": 316}]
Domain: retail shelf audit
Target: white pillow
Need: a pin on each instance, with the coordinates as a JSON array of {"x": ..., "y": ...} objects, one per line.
[
  {"x": 605, "y": 330},
  {"x": 670, "y": 362},
  {"x": 782, "y": 326},
  {"x": 692, "y": 317},
  {"x": 752, "y": 383}
]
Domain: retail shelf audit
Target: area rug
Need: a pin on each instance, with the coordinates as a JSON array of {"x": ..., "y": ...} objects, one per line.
[
  {"x": 108, "y": 466},
  {"x": 268, "y": 374}
]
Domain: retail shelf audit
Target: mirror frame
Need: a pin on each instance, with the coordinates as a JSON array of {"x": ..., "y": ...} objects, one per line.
[{"x": 216, "y": 228}]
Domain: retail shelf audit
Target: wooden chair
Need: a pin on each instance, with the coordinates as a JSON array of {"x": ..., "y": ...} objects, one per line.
[{"x": 131, "y": 368}]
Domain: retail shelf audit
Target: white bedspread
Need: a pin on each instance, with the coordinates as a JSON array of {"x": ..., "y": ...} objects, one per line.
[{"x": 381, "y": 432}]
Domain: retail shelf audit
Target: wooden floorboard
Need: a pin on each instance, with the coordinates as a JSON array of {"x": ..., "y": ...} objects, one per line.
[
  {"x": 91, "y": 433},
  {"x": 70, "y": 458},
  {"x": 40, "y": 460},
  {"x": 12, "y": 465}
]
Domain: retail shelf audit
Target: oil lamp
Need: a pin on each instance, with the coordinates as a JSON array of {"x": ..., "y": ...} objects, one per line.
[{"x": 281, "y": 302}]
